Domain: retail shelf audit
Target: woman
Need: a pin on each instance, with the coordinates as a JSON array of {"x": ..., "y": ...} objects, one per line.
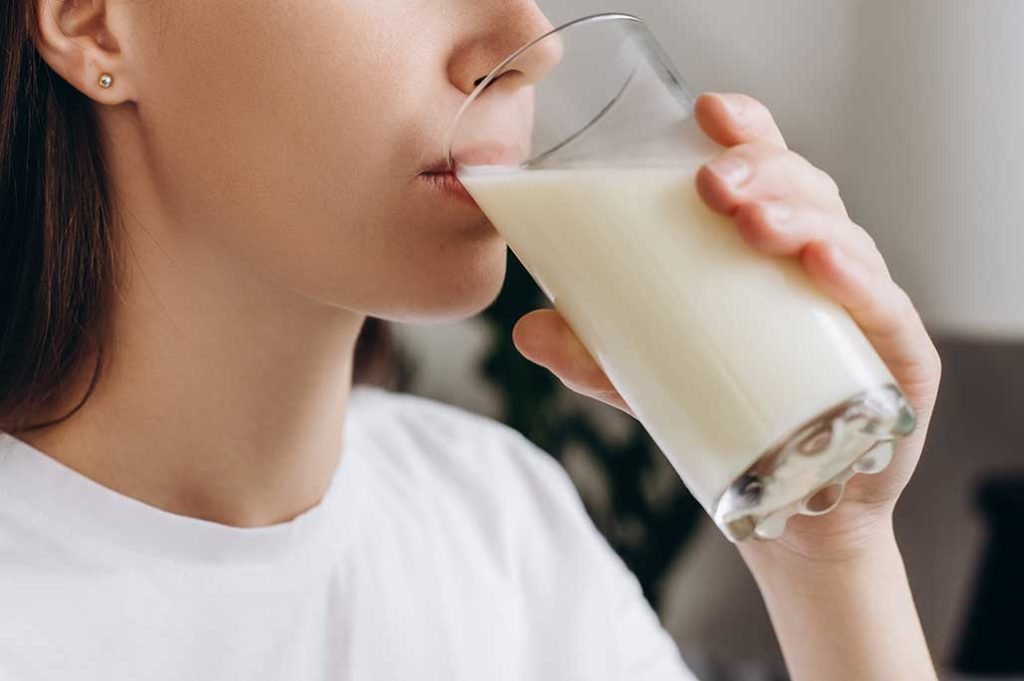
[{"x": 202, "y": 204}]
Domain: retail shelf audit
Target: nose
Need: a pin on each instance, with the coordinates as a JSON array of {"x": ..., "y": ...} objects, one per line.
[{"x": 502, "y": 30}]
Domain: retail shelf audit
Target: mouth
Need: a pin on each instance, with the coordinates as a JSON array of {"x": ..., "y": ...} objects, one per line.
[{"x": 442, "y": 178}]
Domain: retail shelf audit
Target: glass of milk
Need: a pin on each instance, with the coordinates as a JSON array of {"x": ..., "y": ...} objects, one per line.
[{"x": 766, "y": 397}]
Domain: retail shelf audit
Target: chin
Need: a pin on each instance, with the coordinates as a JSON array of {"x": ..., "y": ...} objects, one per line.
[{"x": 453, "y": 291}]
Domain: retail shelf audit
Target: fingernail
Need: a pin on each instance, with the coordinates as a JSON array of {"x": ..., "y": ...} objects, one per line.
[
  {"x": 735, "y": 105},
  {"x": 778, "y": 213},
  {"x": 731, "y": 170}
]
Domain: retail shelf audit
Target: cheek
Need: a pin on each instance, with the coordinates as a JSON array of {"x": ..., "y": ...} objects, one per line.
[{"x": 261, "y": 111}]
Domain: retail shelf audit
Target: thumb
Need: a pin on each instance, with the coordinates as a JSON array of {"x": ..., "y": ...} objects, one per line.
[{"x": 545, "y": 338}]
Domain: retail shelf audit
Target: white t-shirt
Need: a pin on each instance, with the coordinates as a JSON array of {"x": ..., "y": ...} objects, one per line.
[{"x": 448, "y": 546}]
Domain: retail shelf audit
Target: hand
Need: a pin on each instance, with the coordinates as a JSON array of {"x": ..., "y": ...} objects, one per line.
[{"x": 786, "y": 207}]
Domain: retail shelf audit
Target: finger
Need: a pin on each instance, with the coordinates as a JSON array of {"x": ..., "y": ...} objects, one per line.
[
  {"x": 783, "y": 229},
  {"x": 760, "y": 172},
  {"x": 545, "y": 338},
  {"x": 734, "y": 118},
  {"x": 879, "y": 307}
]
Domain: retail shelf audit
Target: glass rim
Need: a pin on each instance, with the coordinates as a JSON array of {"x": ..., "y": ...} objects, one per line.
[{"x": 490, "y": 77}]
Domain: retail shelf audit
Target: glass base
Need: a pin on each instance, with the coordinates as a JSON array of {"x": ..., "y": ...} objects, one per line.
[{"x": 806, "y": 471}]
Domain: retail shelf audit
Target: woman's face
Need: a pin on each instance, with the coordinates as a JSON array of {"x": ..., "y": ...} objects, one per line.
[{"x": 292, "y": 136}]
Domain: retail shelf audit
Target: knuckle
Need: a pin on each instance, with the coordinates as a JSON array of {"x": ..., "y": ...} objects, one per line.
[
  {"x": 827, "y": 181},
  {"x": 756, "y": 110},
  {"x": 755, "y": 222},
  {"x": 899, "y": 309},
  {"x": 857, "y": 235},
  {"x": 869, "y": 240},
  {"x": 767, "y": 151},
  {"x": 819, "y": 176},
  {"x": 903, "y": 305},
  {"x": 936, "y": 361}
]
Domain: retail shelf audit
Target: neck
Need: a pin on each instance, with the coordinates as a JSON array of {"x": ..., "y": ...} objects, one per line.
[{"x": 222, "y": 396}]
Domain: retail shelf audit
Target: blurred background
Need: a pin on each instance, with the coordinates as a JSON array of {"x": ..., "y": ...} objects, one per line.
[{"x": 916, "y": 108}]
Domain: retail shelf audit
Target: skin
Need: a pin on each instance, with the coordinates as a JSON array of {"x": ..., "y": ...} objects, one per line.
[{"x": 266, "y": 162}]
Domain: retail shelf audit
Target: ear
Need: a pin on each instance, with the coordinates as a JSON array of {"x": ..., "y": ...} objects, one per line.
[{"x": 77, "y": 42}]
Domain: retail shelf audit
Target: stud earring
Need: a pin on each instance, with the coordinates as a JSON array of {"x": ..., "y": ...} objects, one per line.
[{"x": 106, "y": 80}]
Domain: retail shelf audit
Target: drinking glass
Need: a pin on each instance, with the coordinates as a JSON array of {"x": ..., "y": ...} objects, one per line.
[{"x": 581, "y": 148}]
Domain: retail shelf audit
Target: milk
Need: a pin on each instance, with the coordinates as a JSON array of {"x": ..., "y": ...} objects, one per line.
[{"x": 720, "y": 351}]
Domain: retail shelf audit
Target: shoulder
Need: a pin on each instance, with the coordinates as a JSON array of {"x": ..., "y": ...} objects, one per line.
[{"x": 458, "y": 456}]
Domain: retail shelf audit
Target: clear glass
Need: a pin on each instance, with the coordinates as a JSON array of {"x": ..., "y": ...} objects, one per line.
[{"x": 582, "y": 150}]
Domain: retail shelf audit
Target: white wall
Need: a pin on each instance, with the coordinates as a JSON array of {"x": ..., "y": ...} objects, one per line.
[{"x": 936, "y": 167}]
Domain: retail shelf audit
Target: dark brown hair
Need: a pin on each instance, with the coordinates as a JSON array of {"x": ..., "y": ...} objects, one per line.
[{"x": 58, "y": 234}]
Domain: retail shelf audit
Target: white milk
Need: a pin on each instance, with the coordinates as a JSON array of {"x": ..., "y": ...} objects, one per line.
[{"x": 719, "y": 350}]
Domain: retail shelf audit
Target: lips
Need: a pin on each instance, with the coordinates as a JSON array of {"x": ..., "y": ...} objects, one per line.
[
  {"x": 438, "y": 168},
  {"x": 447, "y": 182},
  {"x": 485, "y": 154},
  {"x": 491, "y": 153}
]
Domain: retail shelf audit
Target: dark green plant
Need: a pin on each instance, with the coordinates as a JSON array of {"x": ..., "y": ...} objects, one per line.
[{"x": 648, "y": 530}]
